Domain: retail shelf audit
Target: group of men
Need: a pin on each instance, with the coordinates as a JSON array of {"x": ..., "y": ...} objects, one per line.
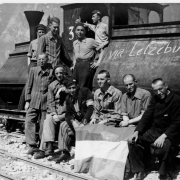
[{"x": 62, "y": 101}]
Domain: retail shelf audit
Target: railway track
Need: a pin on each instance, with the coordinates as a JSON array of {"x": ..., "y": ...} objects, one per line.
[{"x": 39, "y": 166}]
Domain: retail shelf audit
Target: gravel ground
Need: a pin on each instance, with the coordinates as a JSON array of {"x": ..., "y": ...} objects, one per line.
[{"x": 14, "y": 145}]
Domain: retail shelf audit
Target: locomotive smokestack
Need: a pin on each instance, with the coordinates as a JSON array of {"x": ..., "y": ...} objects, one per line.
[{"x": 33, "y": 18}]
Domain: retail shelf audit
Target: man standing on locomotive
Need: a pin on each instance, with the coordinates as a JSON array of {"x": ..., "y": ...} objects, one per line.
[
  {"x": 101, "y": 35},
  {"x": 36, "y": 100},
  {"x": 32, "y": 59},
  {"x": 84, "y": 54},
  {"x": 52, "y": 44}
]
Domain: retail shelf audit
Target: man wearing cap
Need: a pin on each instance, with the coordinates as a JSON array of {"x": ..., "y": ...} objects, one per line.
[
  {"x": 84, "y": 53},
  {"x": 107, "y": 106},
  {"x": 52, "y": 44},
  {"x": 79, "y": 108},
  {"x": 157, "y": 130},
  {"x": 32, "y": 59},
  {"x": 101, "y": 35},
  {"x": 134, "y": 102}
]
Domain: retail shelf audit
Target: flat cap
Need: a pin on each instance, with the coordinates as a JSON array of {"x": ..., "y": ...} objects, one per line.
[
  {"x": 69, "y": 81},
  {"x": 97, "y": 12},
  {"x": 40, "y": 27}
]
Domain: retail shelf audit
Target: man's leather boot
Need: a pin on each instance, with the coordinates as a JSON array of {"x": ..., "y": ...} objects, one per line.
[{"x": 49, "y": 148}]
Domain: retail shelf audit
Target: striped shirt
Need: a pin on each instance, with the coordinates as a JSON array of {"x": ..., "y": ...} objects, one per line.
[
  {"x": 37, "y": 87},
  {"x": 53, "y": 104},
  {"x": 55, "y": 49}
]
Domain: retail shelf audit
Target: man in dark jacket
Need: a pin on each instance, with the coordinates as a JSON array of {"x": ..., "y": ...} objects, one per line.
[
  {"x": 79, "y": 108},
  {"x": 157, "y": 130}
]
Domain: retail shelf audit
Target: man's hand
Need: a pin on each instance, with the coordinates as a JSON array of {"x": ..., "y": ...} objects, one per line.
[
  {"x": 60, "y": 89},
  {"x": 26, "y": 106},
  {"x": 159, "y": 142},
  {"x": 93, "y": 121},
  {"x": 56, "y": 118},
  {"x": 134, "y": 137},
  {"x": 123, "y": 123},
  {"x": 94, "y": 65}
]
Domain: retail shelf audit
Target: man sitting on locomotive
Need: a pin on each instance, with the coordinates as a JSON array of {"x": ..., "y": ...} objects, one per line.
[
  {"x": 134, "y": 102},
  {"x": 84, "y": 54},
  {"x": 79, "y": 108},
  {"x": 36, "y": 100},
  {"x": 107, "y": 102},
  {"x": 56, "y": 109}
]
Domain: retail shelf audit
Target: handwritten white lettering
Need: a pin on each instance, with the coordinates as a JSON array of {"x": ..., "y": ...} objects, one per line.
[
  {"x": 153, "y": 48},
  {"x": 131, "y": 53}
]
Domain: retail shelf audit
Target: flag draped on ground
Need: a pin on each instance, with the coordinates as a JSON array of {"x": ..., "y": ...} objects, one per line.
[{"x": 102, "y": 151}]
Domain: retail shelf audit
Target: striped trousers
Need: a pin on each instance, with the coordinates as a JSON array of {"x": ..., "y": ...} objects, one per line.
[{"x": 66, "y": 137}]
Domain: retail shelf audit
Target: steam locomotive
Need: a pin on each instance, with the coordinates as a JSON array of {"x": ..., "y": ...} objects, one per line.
[{"x": 140, "y": 43}]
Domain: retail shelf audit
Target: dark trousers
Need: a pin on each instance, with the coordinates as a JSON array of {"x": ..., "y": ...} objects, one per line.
[
  {"x": 32, "y": 117},
  {"x": 84, "y": 74},
  {"x": 141, "y": 151}
]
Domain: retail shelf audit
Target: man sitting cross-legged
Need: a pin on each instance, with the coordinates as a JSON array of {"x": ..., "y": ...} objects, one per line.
[
  {"x": 107, "y": 106},
  {"x": 134, "y": 102},
  {"x": 55, "y": 112},
  {"x": 79, "y": 108}
]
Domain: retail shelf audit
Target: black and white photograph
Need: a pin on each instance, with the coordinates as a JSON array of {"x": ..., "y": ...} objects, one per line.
[{"x": 90, "y": 90}]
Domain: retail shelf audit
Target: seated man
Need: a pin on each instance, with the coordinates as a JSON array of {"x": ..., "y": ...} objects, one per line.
[
  {"x": 79, "y": 108},
  {"x": 107, "y": 106},
  {"x": 55, "y": 112},
  {"x": 134, "y": 103},
  {"x": 157, "y": 130}
]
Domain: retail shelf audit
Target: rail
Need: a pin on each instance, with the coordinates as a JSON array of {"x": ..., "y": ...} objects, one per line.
[{"x": 66, "y": 174}]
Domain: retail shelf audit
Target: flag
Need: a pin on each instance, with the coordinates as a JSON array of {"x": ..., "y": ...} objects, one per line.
[{"x": 102, "y": 151}]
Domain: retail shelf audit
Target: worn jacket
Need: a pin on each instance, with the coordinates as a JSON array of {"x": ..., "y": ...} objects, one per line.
[
  {"x": 37, "y": 87},
  {"x": 162, "y": 116},
  {"x": 55, "y": 105},
  {"x": 107, "y": 106},
  {"x": 85, "y": 101}
]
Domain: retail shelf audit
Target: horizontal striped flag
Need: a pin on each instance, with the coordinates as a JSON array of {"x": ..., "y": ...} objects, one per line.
[{"x": 102, "y": 151}]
